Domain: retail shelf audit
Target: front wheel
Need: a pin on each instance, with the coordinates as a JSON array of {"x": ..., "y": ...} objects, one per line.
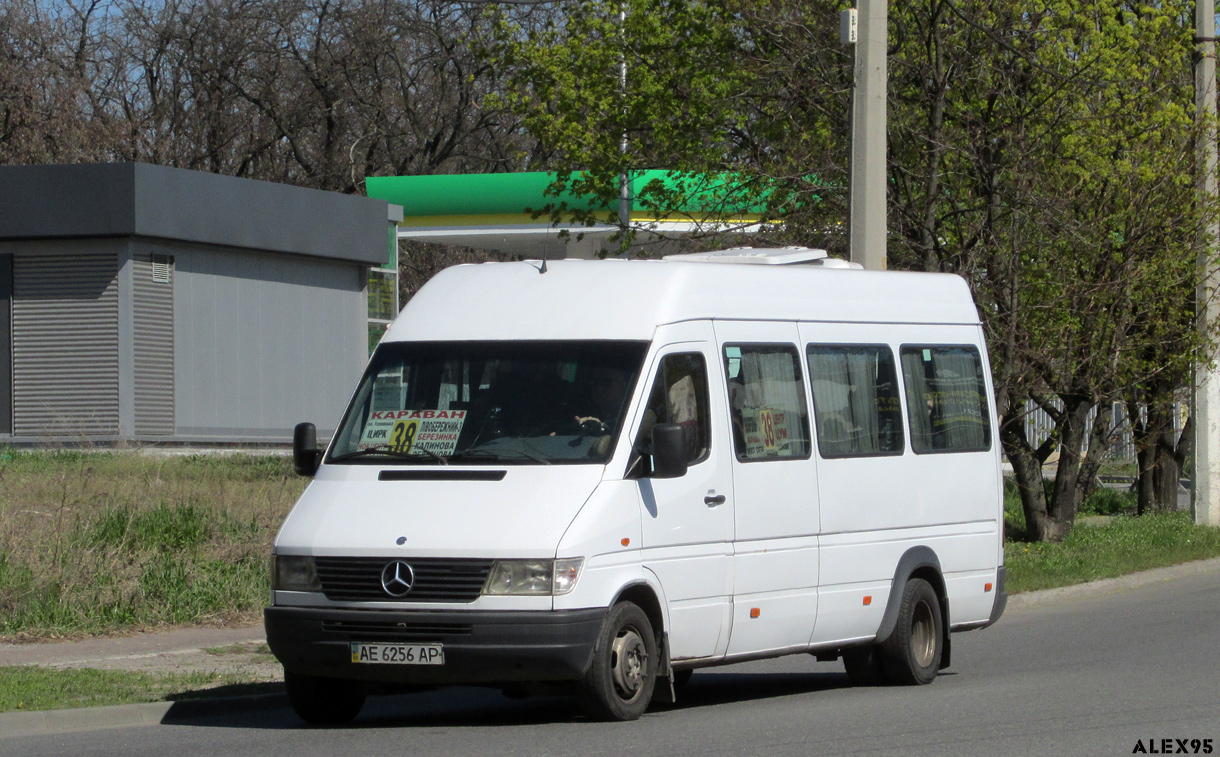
[
  {"x": 323, "y": 701},
  {"x": 911, "y": 655},
  {"x": 619, "y": 683}
]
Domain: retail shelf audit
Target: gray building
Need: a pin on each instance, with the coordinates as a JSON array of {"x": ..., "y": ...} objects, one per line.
[{"x": 154, "y": 304}]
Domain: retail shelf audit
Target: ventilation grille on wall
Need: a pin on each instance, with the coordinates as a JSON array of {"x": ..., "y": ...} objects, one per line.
[{"x": 161, "y": 265}]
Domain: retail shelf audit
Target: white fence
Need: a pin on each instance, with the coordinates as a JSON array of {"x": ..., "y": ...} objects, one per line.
[{"x": 1038, "y": 426}]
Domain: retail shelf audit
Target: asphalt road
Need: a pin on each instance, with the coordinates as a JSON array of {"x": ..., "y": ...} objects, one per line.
[{"x": 1081, "y": 675}]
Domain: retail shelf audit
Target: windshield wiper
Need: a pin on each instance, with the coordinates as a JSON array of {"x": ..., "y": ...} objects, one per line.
[{"x": 385, "y": 450}]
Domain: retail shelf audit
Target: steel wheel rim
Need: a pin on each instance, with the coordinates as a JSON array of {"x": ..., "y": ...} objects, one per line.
[
  {"x": 628, "y": 663},
  {"x": 923, "y": 635}
]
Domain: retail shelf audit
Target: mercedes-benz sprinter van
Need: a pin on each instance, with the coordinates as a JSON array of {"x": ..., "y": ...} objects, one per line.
[{"x": 602, "y": 475}]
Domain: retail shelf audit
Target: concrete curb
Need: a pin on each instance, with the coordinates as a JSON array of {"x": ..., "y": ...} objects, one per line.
[
  {"x": 102, "y": 652},
  {"x": 1105, "y": 586},
  {"x": 44, "y": 722}
]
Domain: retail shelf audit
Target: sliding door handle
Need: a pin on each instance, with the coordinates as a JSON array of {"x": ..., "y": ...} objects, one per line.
[{"x": 712, "y": 501}]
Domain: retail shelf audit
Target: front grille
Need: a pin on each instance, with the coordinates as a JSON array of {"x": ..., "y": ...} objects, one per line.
[
  {"x": 379, "y": 630},
  {"x": 358, "y": 579}
]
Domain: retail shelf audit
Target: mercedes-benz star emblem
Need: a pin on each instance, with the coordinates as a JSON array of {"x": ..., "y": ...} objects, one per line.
[{"x": 397, "y": 578}]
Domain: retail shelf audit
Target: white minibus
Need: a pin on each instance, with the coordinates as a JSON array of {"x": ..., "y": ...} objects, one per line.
[{"x": 599, "y": 476}]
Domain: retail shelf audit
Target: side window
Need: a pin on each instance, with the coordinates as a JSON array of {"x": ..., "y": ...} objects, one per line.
[
  {"x": 855, "y": 400},
  {"x": 946, "y": 399},
  {"x": 679, "y": 395},
  {"x": 767, "y": 401}
]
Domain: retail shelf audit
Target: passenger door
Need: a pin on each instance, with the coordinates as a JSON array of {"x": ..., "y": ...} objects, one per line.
[
  {"x": 688, "y": 521},
  {"x": 775, "y": 558}
]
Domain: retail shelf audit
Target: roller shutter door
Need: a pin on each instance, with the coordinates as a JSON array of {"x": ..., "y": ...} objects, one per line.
[{"x": 65, "y": 345}]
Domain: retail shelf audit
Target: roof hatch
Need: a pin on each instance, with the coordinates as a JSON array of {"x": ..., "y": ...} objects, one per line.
[{"x": 765, "y": 256}]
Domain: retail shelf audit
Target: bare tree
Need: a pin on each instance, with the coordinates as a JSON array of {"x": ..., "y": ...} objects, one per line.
[{"x": 319, "y": 93}]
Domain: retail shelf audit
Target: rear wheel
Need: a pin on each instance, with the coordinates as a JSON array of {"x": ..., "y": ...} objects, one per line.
[
  {"x": 619, "y": 683},
  {"x": 323, "y": 701},
  {"x": 911, "y": 655}
]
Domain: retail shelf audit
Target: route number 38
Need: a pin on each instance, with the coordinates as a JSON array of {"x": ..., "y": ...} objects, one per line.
[{"x": 403, "y": 436}]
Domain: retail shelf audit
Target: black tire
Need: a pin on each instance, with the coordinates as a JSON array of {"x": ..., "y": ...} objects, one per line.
[
  {"x": 323, "y": 701},
  {"x": 620, "y": 681},
  {"x": 863, "y": 666},
  {"x": 911, "y": 655}
]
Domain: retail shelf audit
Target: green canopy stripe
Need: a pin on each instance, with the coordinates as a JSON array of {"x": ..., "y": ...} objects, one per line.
[{"x": 513, "y": 193}]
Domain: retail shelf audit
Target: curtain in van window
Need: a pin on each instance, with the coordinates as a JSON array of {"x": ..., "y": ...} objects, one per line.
[
  {"x": 946, "y": 399},
  {"x": 771, "y": 392},
  {"x": 855, "y": 400}
]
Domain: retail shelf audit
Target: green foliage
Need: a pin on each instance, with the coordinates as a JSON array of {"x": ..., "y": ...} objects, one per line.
[
  {"x": 166, "y": 572},
  {"x": 91, "y": 543},
  {"x": 1014, "y": 516},
  {"x": 1105, "y": 501},
  {"x": 161, "y": 528},
  {"x": 1122, "y": 545},
  {"x": 709, "y": 88},
  {"x": 237, "y": 467},
  {"x": 1102, "y": 501},
  {"x": 1046, "y": 154}
]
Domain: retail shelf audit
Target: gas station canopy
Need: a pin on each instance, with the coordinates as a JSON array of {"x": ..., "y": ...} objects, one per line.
[{"x": 496, "y": 212}]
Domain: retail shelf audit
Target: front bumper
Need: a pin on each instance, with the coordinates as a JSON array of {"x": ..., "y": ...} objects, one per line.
[{"x": 484, "y": 647}]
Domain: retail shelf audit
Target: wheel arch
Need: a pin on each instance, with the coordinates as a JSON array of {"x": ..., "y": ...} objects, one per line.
[
  {"x": 917, "y": 562},
  {"x": 645, "y": 597}
]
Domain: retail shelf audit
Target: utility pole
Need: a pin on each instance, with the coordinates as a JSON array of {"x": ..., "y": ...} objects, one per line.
[
  {"x": 624, "y": 180},
  {"x": 1206, "y": 501},
  {"x": 867, "y": 190}
]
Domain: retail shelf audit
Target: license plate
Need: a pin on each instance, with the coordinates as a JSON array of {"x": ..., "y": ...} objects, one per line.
[{"x": 398, "y": 654}]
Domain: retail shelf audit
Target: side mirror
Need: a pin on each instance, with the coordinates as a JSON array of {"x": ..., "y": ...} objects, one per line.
[
  {"x": 668, "y": 451},
  {"x": 305, "y": 453}
]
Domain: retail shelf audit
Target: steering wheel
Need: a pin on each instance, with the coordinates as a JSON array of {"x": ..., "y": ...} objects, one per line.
[{"x": 592, "y": 427}]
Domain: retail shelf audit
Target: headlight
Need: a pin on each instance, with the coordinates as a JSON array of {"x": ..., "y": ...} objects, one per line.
[
  {"x": 294, "y": 573},
  {"x": 533, "y": 577}
]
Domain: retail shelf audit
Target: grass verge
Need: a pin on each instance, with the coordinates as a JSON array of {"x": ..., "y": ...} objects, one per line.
[
  {"x": 94, "y": 543},
  {"x": 1106, "y": 547},
  {"x": 33, "y": 688},
  {"x": 1120, "y": 545}
]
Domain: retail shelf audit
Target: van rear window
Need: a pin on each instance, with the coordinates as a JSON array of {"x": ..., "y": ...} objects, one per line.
[{"x": 946, "y": 398}]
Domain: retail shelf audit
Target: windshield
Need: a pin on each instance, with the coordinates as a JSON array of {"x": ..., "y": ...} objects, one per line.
[{"x": 490, "y": 402}]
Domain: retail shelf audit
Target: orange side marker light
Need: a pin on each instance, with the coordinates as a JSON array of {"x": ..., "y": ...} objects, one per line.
[
  {"x": 626, "y": 541},
  {"x": 987, "y": 587},
  {"x": 868, "y": 600},
  {"x": 755, "y": 612}
]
